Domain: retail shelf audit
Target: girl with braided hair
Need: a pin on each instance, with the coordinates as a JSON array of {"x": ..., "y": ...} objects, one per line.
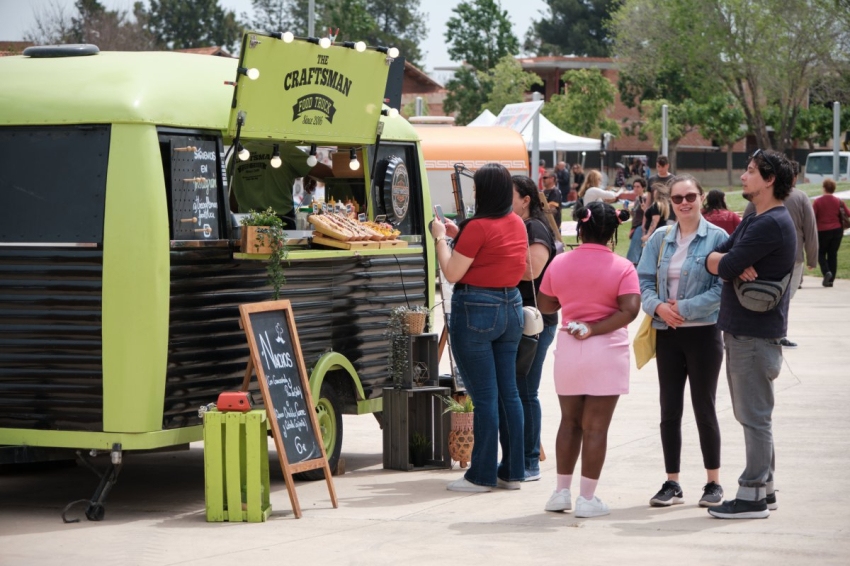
[{"x": 592, "y": 352}]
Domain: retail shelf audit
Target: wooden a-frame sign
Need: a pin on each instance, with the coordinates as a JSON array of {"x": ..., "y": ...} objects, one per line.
[{"x": 276, "y": 357}]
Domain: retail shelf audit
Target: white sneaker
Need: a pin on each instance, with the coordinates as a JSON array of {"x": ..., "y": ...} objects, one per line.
[
  {"x": 560, "y": 501},
  {"x": 590, "y": 507},
  {"x": 504, "y": 484},
  {"x": 463, "y": 485}
]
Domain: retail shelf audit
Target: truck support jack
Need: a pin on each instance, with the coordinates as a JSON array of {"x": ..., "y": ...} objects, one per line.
[{"x": 95, "y": 510}]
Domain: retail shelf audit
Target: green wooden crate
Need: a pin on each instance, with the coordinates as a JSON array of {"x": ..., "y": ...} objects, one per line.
[{"x": 236, "y": 467}]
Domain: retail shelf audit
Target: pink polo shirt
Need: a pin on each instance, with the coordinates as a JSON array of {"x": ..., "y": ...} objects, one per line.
[{"x": 587, "y": 282}]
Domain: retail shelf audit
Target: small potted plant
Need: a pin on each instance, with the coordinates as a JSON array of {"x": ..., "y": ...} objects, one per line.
[
  {"x": 262, "y": 233},
  {"x": 399, "y": 327},
  {"x": 420, "y": 449},
  {"x": 461, "y": 438}
]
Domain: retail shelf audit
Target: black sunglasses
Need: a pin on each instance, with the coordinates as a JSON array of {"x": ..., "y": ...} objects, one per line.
[
  {"x": 767, "y": 160},
  {"x": 679, "y": 199}
]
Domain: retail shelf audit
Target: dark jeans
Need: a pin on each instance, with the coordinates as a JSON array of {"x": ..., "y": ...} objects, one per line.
[
  {"x": 828, "y": 243},
  {"x": 528, "y": 387},
  {"x": 485, "y": 329},
  {"x": 693, "y": 354}
]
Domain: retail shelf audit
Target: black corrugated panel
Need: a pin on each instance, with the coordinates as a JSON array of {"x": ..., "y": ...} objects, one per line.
[
  {"x": 50, "y": 338},
  {"x": 340, "y": 304}
]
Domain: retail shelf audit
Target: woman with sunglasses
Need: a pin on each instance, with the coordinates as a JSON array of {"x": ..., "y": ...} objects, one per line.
[{"x": 684, "y": 300}]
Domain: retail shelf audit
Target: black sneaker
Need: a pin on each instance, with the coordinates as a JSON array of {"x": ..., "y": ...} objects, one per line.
[
  {"x": 712, "y": 495},
  {"x": 828, "y": 279},
  {"x": 669, "y": 494},
  {"x": 771, "y": 501},
  {"x": 740, "y": 509},
  {"x": 786, "y": 343}
]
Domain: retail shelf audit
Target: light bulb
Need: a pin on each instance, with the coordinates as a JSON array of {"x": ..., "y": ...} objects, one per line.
[
  {"x": 354, "y": 164},
  {"x": 393, "y": 113},
  {"x": 360, "y": 46},
  {"x": 288, "y": 37},
  {"x": 243, "y": 153},
  {"x": 324, "y": 43},
  {"x": 392, "y": 52},
  {"x": 312, "y": 161},
  {"x": 253, "y": 74},
  {"x": 275, "y": 160}
]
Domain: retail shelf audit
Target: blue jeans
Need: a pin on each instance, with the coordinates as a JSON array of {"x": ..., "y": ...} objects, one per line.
[
  {"x": 528, "y": 387},
  {"x": 751, "y": 366},
  {"x": 635, "y": 246},
  {"x": 485, "y": 329}
]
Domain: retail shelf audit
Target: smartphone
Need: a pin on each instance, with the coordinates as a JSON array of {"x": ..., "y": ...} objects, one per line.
[{"x": 438, "y": 212}]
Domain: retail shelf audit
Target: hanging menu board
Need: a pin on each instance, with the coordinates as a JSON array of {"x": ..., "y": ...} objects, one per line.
[
  {"x": 194, "y": 188},
  {"x": 276, "y": 357}
]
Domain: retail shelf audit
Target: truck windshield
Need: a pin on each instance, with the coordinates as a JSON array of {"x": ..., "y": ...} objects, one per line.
[
  {"x": 53, "y": 184},
  {"x": 822, "y": 164}
]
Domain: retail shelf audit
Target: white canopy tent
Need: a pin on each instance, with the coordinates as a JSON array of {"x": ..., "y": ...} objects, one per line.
[
  {"x": 552, "y": 138},
  {"x": 486, "y": 118}
]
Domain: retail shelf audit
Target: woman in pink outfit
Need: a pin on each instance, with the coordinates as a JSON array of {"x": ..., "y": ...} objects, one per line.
[{"x": 592, "y": 355}]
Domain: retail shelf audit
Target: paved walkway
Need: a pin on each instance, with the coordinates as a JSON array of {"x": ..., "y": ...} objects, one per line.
[{"x": 155, "y": 515}]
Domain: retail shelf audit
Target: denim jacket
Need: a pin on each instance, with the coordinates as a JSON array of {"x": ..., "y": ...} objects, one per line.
[{"x": 699, "y": 291}]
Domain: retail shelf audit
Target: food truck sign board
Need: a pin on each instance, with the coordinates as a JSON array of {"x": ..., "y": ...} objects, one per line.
[
  {"x": 305, "y": 93},
  {"x": 276, "y": 356}
]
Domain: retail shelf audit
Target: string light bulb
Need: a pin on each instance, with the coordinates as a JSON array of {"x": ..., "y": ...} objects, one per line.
[
  {"x": 276, "y": 161},
  {"x": 242, "y": 152},
  {"x": 325, "y": 42},
  {"x": 354, "y": 163},
  {"x": 251, "y": 73},
  {"x": 312, "y": 160},
  {"x": 360, "y": 46},
  {"x": 392, "y": 52},
  {"x": 288, "y": 37}
]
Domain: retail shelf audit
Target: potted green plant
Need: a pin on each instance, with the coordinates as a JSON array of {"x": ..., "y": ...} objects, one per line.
[
  {"x": 461, "y": 438},
  {"x": 262, "y": 233},
  {"x": 420, "y": 449}
]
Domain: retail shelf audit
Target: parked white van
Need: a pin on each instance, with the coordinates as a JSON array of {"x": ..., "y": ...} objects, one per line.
[{"x": 819, "y": 166}]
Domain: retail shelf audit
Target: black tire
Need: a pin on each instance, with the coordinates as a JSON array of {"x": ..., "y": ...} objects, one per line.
[{"x": 329, "y": 415}]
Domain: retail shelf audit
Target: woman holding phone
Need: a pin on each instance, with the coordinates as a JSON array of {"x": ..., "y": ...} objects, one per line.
[{"x": 487, "y": 262}]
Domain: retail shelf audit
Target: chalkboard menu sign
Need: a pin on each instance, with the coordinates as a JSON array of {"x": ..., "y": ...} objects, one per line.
[
  {"x": 276, "y": 357},
  {"x": 194, "y": 188}
]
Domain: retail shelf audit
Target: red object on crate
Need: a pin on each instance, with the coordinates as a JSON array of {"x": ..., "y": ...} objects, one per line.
[{"x": 234, "y": 401}]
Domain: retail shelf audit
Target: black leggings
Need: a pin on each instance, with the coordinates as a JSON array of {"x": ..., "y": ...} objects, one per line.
[
  {"x": 828, "y": 243},
  {"x": 694, "y": 354}
]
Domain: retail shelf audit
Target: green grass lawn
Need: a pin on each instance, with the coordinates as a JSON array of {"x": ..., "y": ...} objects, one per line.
[{"x": 736, "y": 202}]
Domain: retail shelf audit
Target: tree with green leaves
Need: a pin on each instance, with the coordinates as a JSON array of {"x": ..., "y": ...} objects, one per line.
[
  {"x": 480, "y": 34},
  {"x": 762, "y": 53},
  {"x": 465, "y": 96},
  {"x": 682, "y": 119},
  {"x": 110, "y": 30},
  {"x": 722, "y": 121},
  {"x": 506, "y": 83},
  {"x": 572, "y": 27},
  {"x": 581, "y": 110},
  {"x": 183, "y": 24},
  {"x": 268, "y": 16}
]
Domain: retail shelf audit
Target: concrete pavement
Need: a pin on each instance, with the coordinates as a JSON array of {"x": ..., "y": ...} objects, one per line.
[{"x": 155, "y": 514}]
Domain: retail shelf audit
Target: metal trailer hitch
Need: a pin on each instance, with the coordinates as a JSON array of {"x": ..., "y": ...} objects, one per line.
[{"x": 95, "y": 510}]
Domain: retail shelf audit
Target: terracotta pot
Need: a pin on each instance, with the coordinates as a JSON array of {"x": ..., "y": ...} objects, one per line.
[
  {"x": 254, "y": 243},
  {"x": 461, "y": 438}
]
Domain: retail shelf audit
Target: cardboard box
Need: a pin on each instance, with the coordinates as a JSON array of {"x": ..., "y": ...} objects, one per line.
[{"x": 341, "y": 168}]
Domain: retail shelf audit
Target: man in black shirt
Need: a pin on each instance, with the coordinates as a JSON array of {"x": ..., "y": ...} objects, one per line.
[
  {"x": 763, "y": 247},
  {"x": 663, "y": 175},
  {"x": 553, "y": 195}
]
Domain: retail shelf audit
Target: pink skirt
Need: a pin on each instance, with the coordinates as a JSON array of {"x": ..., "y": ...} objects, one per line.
[{"x": 598, "y": 366}]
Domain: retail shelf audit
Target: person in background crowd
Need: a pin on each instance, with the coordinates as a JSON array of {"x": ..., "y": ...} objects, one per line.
[
  {"x": 714, "y": 210},
  {"x": 578, "y": 179},
  {"x": 562, "y": 171},
  {"x": 541, "y": 242},
  {"x": 553, "y": 195},
  {"x": 488, "y": 261},
  {"x": 658, "y": 213},
  {"x": 541, "y": 171},
  {"x": 663, "y": 175},
  {"x": 762, "y": 247},
  {"x": 684, "y": 299},
  {"x": 592, "y": 357},
  {"x": 592, "y": 191},
  {"x": 800, "y": 208},
  {"x": 620, "y": 177},
  {"x": 635, "y": 234},
  {"x": 636, "y": 169},
  {"x": 830, "y": 231}
]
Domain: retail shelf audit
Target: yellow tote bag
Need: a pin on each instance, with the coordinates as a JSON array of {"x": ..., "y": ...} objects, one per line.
[{"x": 644, "y": 344}]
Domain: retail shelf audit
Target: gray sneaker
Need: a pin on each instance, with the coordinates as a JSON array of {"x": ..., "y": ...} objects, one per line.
[
  {"x": 712, "y": 495},
  {"x": 669, "y": 494}
]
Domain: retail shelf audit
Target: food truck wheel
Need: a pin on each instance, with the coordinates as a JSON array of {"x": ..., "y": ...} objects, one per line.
[{"x": 329, "y": 415}]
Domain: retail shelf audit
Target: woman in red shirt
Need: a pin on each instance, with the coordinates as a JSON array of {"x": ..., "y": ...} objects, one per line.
[
  {"x": 714, "y": 210},
  {"x": 488, "y": 261},
  {"x": 830, "y": 231}
]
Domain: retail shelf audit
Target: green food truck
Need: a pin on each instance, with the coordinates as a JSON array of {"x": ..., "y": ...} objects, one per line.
[{"x": 120, "y": 264}]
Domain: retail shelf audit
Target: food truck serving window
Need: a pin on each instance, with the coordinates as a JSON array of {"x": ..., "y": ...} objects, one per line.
[{"x": 53, "y": 184}]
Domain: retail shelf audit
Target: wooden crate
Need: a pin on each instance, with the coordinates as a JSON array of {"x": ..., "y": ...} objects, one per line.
[
  {"x": 236, "y": 466},
  {"x": 415, "y": 410},
  {"x": 331, "y": 243}
]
